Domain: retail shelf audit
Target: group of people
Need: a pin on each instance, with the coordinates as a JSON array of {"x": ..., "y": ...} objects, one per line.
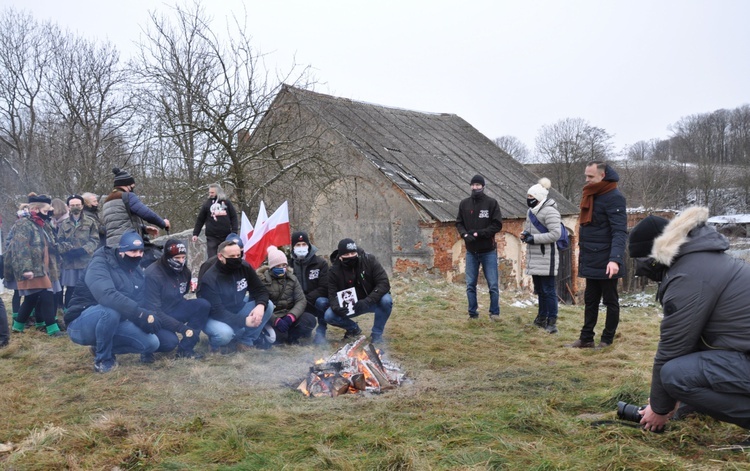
[{"x": 116, "y": 303}]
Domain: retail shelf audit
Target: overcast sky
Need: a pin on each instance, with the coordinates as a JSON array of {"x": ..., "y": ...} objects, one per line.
[{"x": 632, "y": 67}]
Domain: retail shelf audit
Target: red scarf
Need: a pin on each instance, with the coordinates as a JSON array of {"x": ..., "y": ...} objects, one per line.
[{"x": 587, "y": 202}]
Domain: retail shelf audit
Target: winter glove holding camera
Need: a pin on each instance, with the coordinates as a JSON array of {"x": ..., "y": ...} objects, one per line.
[
  {"x": 361, "y": 306},
  {"x": 148, "y": 322},
  {"x": 283, "y": 324}
]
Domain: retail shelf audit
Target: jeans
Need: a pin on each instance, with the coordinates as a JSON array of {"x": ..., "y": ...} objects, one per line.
[
  {"x": 382, "y": 312},
  {"x": 607, "y": 291},
  {"x": 715, "y": 382},
  {"x": 547, "y": 294},
  {"x": 193, "y": 312},
  {"x": 488, "y": 261},
  {"x": 302, "y": 328},
  {"x": 321, "y": 306},
  {"x": 101, "y": 327},
  {"x": 220, "y": 334}
]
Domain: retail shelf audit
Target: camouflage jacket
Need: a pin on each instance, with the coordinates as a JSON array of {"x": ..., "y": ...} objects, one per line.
[
  {"x": 77, "y": 241},
  {"x": 26, "y": 250}
]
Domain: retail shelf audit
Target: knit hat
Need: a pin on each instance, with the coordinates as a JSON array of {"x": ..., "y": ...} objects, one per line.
[
  {"x": 300, "y": 236},
  {"x": 275, "y": 257},
  {"x": 174, "y": 247},
  {"x": 477, "y": 179},
  {"x": 346, "y": 246},
  {"x": 234, "y": 238},
  {"x": 540, "y": 191},
  {"x": 122, "y": 178},
  {"x": 130, "y": 241},
  {"x": 641, "y": 239},
  {"x": 34, "y": 198}
]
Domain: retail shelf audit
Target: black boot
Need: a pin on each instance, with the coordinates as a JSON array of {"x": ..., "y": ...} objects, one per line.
[
  {"x": 540, "y": 322},
  {"x": 551, "y": 325}
]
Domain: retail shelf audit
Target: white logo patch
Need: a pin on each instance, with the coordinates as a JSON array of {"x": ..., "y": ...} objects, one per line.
[
  {"x": 484, "y": 213},
  {"x": 183, "y": 287},
  {"x": 314, "y": 274},
  {"x": 241, "y": 285}
]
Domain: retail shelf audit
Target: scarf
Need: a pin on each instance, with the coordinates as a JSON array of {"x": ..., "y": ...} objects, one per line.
[{"x": 587, "y": 202}]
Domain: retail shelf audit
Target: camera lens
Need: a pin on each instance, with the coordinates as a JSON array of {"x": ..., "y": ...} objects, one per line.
[{"x": 628, "y": 412}]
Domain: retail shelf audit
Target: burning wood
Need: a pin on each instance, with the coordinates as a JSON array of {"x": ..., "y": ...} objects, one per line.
[{"x": 354, "y": 367}]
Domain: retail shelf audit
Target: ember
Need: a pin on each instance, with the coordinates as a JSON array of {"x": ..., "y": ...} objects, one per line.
[{"x": 355, "y": 367}]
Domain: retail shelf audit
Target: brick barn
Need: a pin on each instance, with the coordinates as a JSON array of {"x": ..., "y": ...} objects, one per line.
[{"x": 400, "y": 177}]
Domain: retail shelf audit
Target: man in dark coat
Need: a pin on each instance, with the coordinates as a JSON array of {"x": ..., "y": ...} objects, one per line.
[
  {"x": 601, "y": 242},
  {"x": 219, "y": 217},
  {"x": 354, "y": 268},
  {"x": 479, "y": 219},
  {"x": 312, "y": 272},
  {"x": 232, "y": 317},
  {"x": 702, "y": 357}
]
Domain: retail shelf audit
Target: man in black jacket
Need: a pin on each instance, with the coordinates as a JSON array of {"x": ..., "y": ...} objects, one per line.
[
  {"x": 354, "y": 268},
  {"x": 107, "y": 309},
  {"x": 479, "y": 219},
  {"x": 219, "y": 217},
  {"x": 312, "y": 272},
  {"x": 167, "y": 282},
  {"x": 226, "y": 285},
  {"x": 601, "y": 240}
]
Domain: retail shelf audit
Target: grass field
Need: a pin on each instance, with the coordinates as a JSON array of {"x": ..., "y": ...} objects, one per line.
[{"x": 479, "y": 395}]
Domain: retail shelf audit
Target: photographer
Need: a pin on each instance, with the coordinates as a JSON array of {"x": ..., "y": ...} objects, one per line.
[{"x": 701, "y": 359}]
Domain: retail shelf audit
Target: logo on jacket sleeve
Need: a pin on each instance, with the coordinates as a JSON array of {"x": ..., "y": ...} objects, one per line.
[
  {"x": 314, "y": 274},
  {"x": 484, "y": 213}
]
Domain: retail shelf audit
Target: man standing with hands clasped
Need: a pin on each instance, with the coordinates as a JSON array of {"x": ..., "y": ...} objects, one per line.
[{"x": 478, "y": 220}]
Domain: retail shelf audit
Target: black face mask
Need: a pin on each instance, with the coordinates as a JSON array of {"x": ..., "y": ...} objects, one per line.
[
  {"x": 45, "y": 217},
  {"x": 91, "y": 209},
  {"x": 531, "y": 202},
  {"x": 476, "y": 193},
  {"x": 650, "y": 268},
  {"x": 350, "y": 262},
  {"x": 131, "y": 263},
  {"x": 231, "y": 265},
  {"x": 175, "y": 265}
]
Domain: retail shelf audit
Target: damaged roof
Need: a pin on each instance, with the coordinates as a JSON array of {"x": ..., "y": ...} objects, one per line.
[{"x": 430, "y": 156}]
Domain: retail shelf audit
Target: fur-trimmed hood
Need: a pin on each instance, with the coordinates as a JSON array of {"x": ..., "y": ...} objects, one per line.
[{"x": 688, "y": 233}]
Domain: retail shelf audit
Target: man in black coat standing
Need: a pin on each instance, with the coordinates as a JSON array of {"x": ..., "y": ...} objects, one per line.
[
  {"x": 219, "y": 217},
  {"x": 602, "y": 235}
]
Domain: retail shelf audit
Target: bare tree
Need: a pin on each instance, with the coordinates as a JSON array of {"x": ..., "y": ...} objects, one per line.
[
  {"x": 567, "y": 145},
  {"x": 513, "y": 146}
]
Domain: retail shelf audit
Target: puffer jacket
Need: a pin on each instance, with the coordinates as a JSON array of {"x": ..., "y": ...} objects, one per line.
[
  {"x": 118, "y": 220},
  {"x": 704, "y": 294},
  {"x": 285, "y": 293},
  {"x": 542, "y": 257},
  {"x": 603, "y": 239}
]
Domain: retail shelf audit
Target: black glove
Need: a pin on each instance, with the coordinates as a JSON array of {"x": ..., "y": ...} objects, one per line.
[
  {"x": 284, "y": 323},
  {"x": 524, "y": 235},
  {"x": 148, "y": 322},
  {"x": 469, "y": 238},
  {"x": 529, "y": 239},
  {"x": 362, "y": 305},
  {"x": 340, "y": 311}
]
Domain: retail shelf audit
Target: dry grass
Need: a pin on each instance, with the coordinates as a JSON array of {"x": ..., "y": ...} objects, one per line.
[{"x": 481, "y": 395}]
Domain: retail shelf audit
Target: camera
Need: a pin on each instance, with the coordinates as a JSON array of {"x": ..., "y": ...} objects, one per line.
[{"x": 629, "y": 412}]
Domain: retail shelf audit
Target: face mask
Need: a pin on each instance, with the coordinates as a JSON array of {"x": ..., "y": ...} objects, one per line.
[
  {"x": 175, "y": 265},
  {"x": 301, "y": 252},
  {"x": 650, "y": 268},
  {"x": 92, "y": 209},
  {"x": 44, "y": 216},
  {"x": 477, "y": 192},
  {"x": 233, "y": 264},
  {"x": 278, "y": 272},
  {"x": 76, "y": 211},
  {"x": 129, "y": 262},
  {"x": 531, "y": 202},
  {"x": 350, "y": 262}
]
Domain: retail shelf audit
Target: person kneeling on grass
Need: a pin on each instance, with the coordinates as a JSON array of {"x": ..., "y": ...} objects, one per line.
[{"x": 107, "y": 309}]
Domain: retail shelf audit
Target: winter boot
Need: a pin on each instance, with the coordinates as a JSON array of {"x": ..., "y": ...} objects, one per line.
[
  {"x": 540, "y": 322},
  {"x": 551, "y": 325}
]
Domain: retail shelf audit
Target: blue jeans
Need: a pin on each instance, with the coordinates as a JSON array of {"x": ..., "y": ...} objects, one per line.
[
  {"x": 321, "y": 306},
  {"x": 547, "y": 294},
  {"x": 382, "y": 312},
  {"x": 488, "y": 261},
  {"x": 101, "y": 327},
  {"x": 194, "y": 313},
  {"x": 220, "y": 334}
]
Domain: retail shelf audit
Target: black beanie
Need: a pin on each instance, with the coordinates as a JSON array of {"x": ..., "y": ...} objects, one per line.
[
  {"x": 641, "y": 239},
  {"x": 122, "y": 178},
  {"x": 300, "y": 236},
  {"x": 477, "y": 179},
  {"x": 346, "y": 246}
]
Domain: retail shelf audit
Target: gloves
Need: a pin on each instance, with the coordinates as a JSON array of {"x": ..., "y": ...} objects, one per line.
[
  {"x": 362, "y": 305},
  {"x": 148, "y": 322},
  {"x": 529, "y": 239},
  {"x": 340, "y": 311},
  {"x": 284, "y": 323},
  {"x": 524, "y": 236},
  {"x": 469, "y": 238}
]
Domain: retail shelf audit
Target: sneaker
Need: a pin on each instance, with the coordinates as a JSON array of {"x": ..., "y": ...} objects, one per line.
[
  {"x": 495, "y": 317},
  {"x": 191, "y": 354},
  {"x": 147, "y": 358},
  {"x": 603, "y": 344},
  {"x": 353, "y": 333},
  {"x": 581, "y": 344},
  {"x": 320, "y": 338},
  {"x": 473, "y": 317},
  {"x": 105, "y": 366}
]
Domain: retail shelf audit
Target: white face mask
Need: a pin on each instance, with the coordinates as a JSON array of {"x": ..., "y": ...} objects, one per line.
[{"x": 301, "y": 252}]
